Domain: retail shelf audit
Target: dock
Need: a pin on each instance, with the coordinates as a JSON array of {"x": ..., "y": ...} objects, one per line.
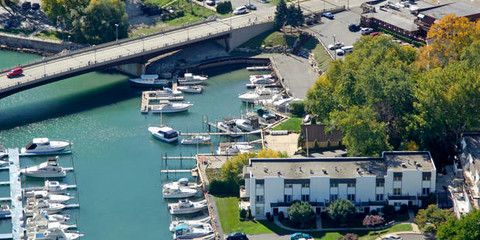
[
  {"x": 42, "y": 188},
  {"x": 153, "y": 96},
  {"x": 6, "y": 236},
  {"x": 15, "y": 192},
  {"x": 260, "y": 68},
  {"x": 176, "y": 170}
]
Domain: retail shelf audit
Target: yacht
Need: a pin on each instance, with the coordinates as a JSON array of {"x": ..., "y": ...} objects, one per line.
[
  {"x": 248, "y": 123},
  {"x": 55, "y": 187},
  {"x": 3, "y": 153},
  {"x": 182, "y": 182},
  {"x": 54, "y": 233},
  {"x": 148, "y": 80},
  {"x": 190, "y": 79},
  {"x": 49, "y": 208},
  {"x": 185, "y": 206},
  {"x": 53, "y": 198},
  {"x": 50, "y": 168},
  {"x": 167, "y": 95},
  {"x": 41, "y": 218},
  {"x": 45, "y": 146},
  {"x": 165, "y": 134},
  {"x": 179, "y": 192},
  {"x": 5, "y": 211},
  {"x": 262, "y": 79},
  {"x": 228, "y": 124},
  {"x": 192, "y": 223},
  {"x": 196, "y": 140},
  {"x": 234, "y": 149},
  {"x": 189, "y": 232},
  {"x": 190, "y": 89},
  {"x": 258, "y": 94},
  {"x": 168, "y": 107}
]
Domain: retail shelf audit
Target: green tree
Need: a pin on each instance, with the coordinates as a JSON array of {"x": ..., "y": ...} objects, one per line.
[
  {"x": 281, "y": 13},
  {"x": 98, "y": 26},
  {"x": 465, "y": 228},
  {"x": 301, "y": 212},
  {"x": 363, "y": 134},
  {"x": 224, "y": 7},
  {"x": 64, "y": 12},
  {"x": 341, "y": 210},
  {"x": 292, "y": 16},
  {"x": 431, "y": 218},
  {"x": 297, "y": 108}
]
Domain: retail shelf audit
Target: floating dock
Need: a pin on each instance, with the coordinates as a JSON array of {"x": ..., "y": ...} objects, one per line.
[
  {"x": 15, "y": 193},
  {"x": 260, "y": 68},
  {"x": 152, "y": 96}
]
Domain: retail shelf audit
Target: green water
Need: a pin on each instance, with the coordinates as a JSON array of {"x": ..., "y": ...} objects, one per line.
[{"x": 117, "y": 163}]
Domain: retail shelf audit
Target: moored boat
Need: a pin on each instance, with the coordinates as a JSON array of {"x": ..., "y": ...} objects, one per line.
[
  {"x": 190, "y": 79},
  {"x": 53, "y": 198},
  {"x": 53, "y": 233},
  {"x": 262, "y": 79},
  {"x": 190, "y": 232},
  {"x": 192, "y": 223},
  {"x": 233, "y": 149},
  {"x": 196, "y": 140},
  {"x": 182, "y": 182},
  {"x": 5, "y": 211},
  {"x": 50, "y": 168},
  {"x": 148, "y": 80},
  {"x": 190, "y": 89},
  {"x": 228, "y": 125},
  {"x": 179, "y": 192},
  {"x": 185, "y": 206},
  {"x": 49, "y": 208},
  {"x": 168, "y": 107},
  {"x": 45, "y": 146},
  {"x": 165, "y": 134}
]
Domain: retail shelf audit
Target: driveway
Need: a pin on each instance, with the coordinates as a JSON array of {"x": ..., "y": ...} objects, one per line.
[{"x": 412, "y": 236}]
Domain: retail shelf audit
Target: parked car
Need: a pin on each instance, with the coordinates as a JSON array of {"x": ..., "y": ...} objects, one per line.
[
  {"x": 211, "y": 2},
  {"x": 391, "y": 237},
  {"x": 236, "y": 236},
  {"x": 301, "y": 236},
  {"x": 15, "y": 72},
  {"x": 35, "y": 6},
  {"x": 26, "y": 5},
  {"x": 251, "y": 6},
  {"x": 240, "y": 10},
  {"x": 337, "y": 45},
  {"x": 344, "y": 50},
  {"x": 328, "y": 15},
  {"x": 366, "y": 31},
  {"x": 353, "y": 27}
]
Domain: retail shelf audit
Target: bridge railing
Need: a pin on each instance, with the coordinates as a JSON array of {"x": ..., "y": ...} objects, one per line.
[{"x": 129, "y": 54}]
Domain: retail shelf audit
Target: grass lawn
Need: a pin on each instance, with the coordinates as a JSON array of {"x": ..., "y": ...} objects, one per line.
[
  {"x": 157, "y": 2},
  {"x": 269, "y": 38},
  {"x": 229, "y": 218},
  {"x": 292, "y": 124},
  {"x": 364, "y": 235},
  {"x": 322, "y": 58}
]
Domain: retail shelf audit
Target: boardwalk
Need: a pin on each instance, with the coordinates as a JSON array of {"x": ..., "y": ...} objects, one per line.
[{"x": 15, "y": 193}]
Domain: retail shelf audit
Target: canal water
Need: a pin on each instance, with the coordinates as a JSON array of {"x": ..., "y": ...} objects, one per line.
[{"x": 117, "y": 163}]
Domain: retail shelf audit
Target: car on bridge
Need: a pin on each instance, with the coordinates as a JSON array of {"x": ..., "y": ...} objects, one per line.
[{"x": 15, "y": 72}]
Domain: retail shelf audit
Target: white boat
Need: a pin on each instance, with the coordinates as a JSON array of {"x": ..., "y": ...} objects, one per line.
[
  {"x": 41, "y": 218},
  {"x": 182, "y": 182},
  {"x": 248, "y": 123},
  {"x": 190, "y": 232},
  {"x": 234, "y": 149},
  {"x": 148, "y": 80},
  {"x": 190, "y": 89},
  {"x": 52, "y": 234},
  {"x": 55, "y": 187},
  {"x": 190, "y": 79},
  {"x": 53, "y": 198},
  {"x": 49, "y": 208},
  {"x": 3, "y": 163},
  {"x": 196, "y": 140},
  {"x": 262, "y": 79},
  {"x": 44, "y": 145},
  {"x": 173, "y": 92},
  {"x": 229, "y": 126},
  {"x": 167, "y": 95},
  {"x": 192, "y": 223},
  {"x": 3, "y": 154},
  {"x": 179, "y": 192},
  {"x": 285, "y": 101},
  {"x": 5, "y": 211},
  {"x": 45, "y": 224},
  {"x": 185, "y": 206},
  {"x": 258, "y": 94},
  {"x": 168, "y": 107},
  {"x": 165, "y": 134},
  {"x": 50, "y": 168}
]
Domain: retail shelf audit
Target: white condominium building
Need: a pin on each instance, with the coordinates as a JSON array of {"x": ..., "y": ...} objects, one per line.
[{"x": 370, "y": 183}]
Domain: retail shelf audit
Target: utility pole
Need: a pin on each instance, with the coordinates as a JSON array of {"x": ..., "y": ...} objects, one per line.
[
  {"x": 95, "y": 49},
  {"x": 116, "y": 31},
  {"x": 334, "y": 42}
]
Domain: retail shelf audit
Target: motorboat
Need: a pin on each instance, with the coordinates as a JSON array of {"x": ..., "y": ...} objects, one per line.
[
  {"x": 49, "y": 208},
  {"x": 5, "y": 211},
  {"x": 148, "y": 80},
  {"x": 285, "y": 101},
  {"x": 41, "y": 218},
  {"x": 199, "y": 139},
  {"x": 185, "y": 206},
  {"x": 55, "y": 187},
  {"x": 190, "y": 89},
  {"x": 53, "y": 198},
  {"x": 182, "y": 182},
  {"x": 258, "y": 94},
  {"x": 190, "y": 232},
  {"x": 3, "y": 153},
  {"x": 44, "y": 225},
  {"x": 50, "y": 168},
  {"x": 234, "y": 149},
  {"x": 190, "y": 79},
  {"x": 53, "y": 233},
  {"x": 179, "y": 192},
  {"x": 190, "y": 223},
  {"x": 262, "y": 79},
  {"x": 165, "y": 134},
  {"x": 3, "y": 163},
  {"x": 45, "y": 146},
  {"x": 167, "y": 95},
  {"x": 248, "y": 123},
  {"x": 228, "y": 125},
  {"x": 168, "y": 107}
]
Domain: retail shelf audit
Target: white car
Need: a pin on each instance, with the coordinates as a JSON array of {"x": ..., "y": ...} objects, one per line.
[
  {"x": 240, "y": 10},
  {"x": 336, "y": 46},
  {"x": 391, "y": 237},
  {"x": 366, "y": 31}
]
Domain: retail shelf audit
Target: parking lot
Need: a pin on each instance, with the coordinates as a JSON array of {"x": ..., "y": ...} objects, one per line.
[{"x": 328, "y": 30}]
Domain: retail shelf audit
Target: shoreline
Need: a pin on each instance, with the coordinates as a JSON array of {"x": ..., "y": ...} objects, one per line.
[{"x": 26, "y": 50}]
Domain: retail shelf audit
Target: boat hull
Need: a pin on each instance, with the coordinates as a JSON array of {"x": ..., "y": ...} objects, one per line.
[{"x": 45, "y": 175}]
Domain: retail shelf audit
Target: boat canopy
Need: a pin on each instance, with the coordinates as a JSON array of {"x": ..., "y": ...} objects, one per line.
[
  {"x": 183, "y": 180},
  {"x": 181, "y": 228},
  {"x": 40, "y": 141}
]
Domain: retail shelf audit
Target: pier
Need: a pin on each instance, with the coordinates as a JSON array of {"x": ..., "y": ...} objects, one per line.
[
  {"x": 156, "y": 96},
  {"x": 15, "y": 193}
]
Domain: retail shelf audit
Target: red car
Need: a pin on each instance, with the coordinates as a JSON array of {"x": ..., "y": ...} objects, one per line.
[{"x": 15, "y": 72}]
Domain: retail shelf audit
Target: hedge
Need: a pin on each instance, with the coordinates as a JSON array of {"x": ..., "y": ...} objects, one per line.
[{"x": 223, "y": 187}]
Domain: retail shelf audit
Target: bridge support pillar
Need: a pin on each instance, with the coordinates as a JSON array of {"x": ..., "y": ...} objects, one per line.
[
  {"x": 132, "y": 69},
  {"x": 227, "y": 44}
]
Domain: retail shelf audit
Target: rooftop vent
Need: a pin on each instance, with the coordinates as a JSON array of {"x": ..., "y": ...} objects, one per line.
[
  {"x": 300, "y": 169},
  {"x": 311, "y": 171},
  {"x": 324, "y": 171},
  {"x": 336, "y": 169},
  {"x": 404, "y": 165},
  {"x": 265, "y": 169},
  {"x": 279, "y": 173}
]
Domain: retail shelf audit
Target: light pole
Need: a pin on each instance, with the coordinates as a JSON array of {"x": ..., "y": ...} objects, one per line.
[
  {"x": 334, "y": 42},
  {"x": 69, "y": 42},
  {"x": 95, "y": 49},
  {"x": 116, "y": 31},
  {"x": 143, "y": 41}
]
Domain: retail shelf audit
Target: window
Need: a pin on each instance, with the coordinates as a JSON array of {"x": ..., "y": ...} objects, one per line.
[
  {"x": 425, "y": 191},
  {"x": 259, "y": 199},
  {"x": 333, "y": 184},
  {"x": 380, "y": 184},
  {"x": 259, "y": 185},
  {"x": 379, "y": 197},
  {"x": 351, "y": 185},
  {"x": 306, "y": 198},
  {"x": 397, "y": 176},
  {"x": 426, "y": 176},
  {"x": 288, "y": 185},
  {"x": 305, "y": 185},
  {"x": 351, "y": 197},
  {"x": 397, "y": 191},
  {"x": 333, "y": 197},
  {"x": 287, "y": 198}
]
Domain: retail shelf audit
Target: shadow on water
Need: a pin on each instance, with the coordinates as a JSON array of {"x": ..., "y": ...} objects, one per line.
[{"x": 60, "y": 106}]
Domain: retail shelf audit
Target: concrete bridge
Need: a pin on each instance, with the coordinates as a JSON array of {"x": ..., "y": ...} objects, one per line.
[{"x": 230, "y": 33}]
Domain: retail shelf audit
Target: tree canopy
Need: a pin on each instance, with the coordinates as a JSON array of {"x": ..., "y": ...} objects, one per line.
[
  {"x": 431, "y": 218},
  {"x": 465, "y": 228},
  {"x": 301, "y": 212},
  {"x": 341, "y": 210}
]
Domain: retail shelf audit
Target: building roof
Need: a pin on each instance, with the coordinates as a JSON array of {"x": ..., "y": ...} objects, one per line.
[
  {"x": 473, "y": 147},
  {"x": 338, "y": 167},
  {"x": 403, "y": 21},
  {"x": 317, "y": 131},
  {"x": 460, "y": 9}
]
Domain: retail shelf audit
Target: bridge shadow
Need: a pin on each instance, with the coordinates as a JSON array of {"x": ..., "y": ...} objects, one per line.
[{"x": 55, "y": 107}]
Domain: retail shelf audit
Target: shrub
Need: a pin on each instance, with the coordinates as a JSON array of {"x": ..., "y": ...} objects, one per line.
[
  {"x": 249, "y": 214},
  {"x": 403, "y": 209},
  {"x": 269, "y": 216},
  {"x": 349, "y": 236},
  {"x": 223, "y": 187},
  {"x": 388, "y": 210},
  {"x": 418, "y": 44},
  {"x": 281, "y": 216},
  {"x": 224, "y": 7},
  {"x": 373, "y": 220},
  {"x": 297, "y": 108},
  {"x": 243, "y": 213},
  {"x": 301, "y": 212},
  {"x": 341, "y": 210}
]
